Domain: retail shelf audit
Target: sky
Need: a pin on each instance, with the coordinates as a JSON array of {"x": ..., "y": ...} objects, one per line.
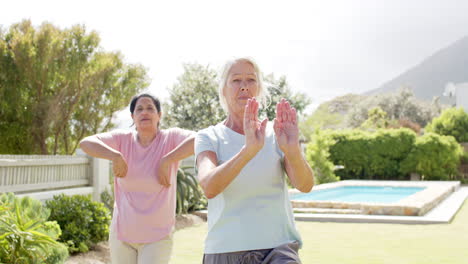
[{"x": 324, "y": 48}]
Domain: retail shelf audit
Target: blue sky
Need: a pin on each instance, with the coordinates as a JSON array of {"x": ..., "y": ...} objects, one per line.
[{"x": 325, "y": 48}]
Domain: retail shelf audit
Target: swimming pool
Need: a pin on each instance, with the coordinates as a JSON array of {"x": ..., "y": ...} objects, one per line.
[
  {"x": 380, "y": 194},
  {"x": 410, "y": 198}
]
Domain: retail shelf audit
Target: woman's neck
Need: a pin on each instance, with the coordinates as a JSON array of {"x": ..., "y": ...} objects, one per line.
[
  {"x": 235, "y": 122},
  {"x": 145, "y": 137}
]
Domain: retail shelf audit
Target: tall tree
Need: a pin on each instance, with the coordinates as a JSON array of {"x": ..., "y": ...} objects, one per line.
[
  {"x": 59, "y": 86},
  {"x": 279, "y": 88},
  {"x": 194, "y": 102}
]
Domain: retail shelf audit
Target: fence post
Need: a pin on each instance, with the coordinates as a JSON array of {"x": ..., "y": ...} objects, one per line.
[
  {"x": 100, "y": 177},
  {"x": 99, "y": 174}
]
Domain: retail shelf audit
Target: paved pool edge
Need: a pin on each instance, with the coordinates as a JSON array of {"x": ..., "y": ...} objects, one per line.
[{"x": 441, "y": 214}]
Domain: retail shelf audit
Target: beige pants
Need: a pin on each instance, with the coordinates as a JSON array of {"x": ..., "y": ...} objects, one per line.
[{"x": 139, "y": 253}]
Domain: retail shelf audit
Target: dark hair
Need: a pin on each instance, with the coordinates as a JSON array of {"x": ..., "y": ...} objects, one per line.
[{"x": 135, "y": 99}]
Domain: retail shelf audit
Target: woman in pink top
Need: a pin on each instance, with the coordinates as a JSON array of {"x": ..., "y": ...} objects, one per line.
[{"x": 145, "y": 163}]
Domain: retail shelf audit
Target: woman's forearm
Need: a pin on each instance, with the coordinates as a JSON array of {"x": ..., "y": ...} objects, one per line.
[
  {"x": 182, "y": 151},
  {"x": 299, "y": 171},
  {"x": 98, "y": 149},
  {"x": 214, "y": 179}
]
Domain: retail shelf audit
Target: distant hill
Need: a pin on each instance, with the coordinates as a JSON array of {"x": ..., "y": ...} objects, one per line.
[{"x": 429, "y": 78}]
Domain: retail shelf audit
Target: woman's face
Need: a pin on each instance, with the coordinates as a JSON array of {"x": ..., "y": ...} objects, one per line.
[
  {"x": 146, "y": 116},
  {"x": 242, "y": 84}
]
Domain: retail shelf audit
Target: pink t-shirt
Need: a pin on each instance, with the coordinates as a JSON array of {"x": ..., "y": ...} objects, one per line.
[{"x": 144, "y": 210}]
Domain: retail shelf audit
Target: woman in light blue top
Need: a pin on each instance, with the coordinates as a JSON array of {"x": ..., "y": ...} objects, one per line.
[{"x": 240, "y": 164}]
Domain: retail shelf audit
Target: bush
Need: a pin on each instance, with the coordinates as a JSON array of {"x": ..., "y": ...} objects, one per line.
[
  {"x": 435, "y": 157},
  {"x": 189, "y": 194},
  {"x": 107, "y": 198},
  {"x": 367, "y": 155},
  {"x": 317, "y": 155},
  {"x": 25, "y": 234},
  {"x": 404, "y": 123},
  {"x": 83, "y": 221},
  {"x": 464, "y": 158},
  {"x": 452, "y": 122}
]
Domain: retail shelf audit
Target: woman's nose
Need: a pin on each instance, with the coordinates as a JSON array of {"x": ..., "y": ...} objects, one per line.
[{"x": 244, "y": 86}]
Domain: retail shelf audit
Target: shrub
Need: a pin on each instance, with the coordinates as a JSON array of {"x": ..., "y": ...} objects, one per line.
[
  {"x": 452, "y": 122},
  {"x": 317, "y": 155},
  {"x": 107, "y": 198},
  {"x": 377, "y": 119},
  {"x": 351, "y": 151},
  {"x": 25, "y": 234},
  {"x": 464, "y": 158},
  {"x": 387, "y": 149},
  {"x": 367, "y": 155},
  {"x": 189, "y": 194},
  {"x": 405, "y": 123},
  {"x": 83, "y": 221},
  {"x": 435, "y": 157}
]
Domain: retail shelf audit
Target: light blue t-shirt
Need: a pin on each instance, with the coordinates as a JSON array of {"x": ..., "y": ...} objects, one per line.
[{"x": 254, "y": 211}]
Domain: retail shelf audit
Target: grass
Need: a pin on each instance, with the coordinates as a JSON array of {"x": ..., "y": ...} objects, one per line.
[{"x": 353, "y": 243}]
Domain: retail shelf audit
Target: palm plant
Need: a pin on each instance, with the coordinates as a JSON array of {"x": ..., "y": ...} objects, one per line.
[
  {"x": 189, "y": 194},
  {"x": 26, "y": 235}
]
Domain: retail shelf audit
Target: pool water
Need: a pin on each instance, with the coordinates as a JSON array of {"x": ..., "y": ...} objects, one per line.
[{"x": 376, "y": 194}]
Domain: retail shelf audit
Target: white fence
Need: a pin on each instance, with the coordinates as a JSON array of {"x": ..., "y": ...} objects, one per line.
[{"x": 43, "y": 176}]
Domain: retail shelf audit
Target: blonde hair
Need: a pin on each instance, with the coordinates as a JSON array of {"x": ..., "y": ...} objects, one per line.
[{"x": 262, "y": 95}]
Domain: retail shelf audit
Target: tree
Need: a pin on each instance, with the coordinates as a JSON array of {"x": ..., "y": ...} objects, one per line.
[
  {"x": 193, "y": 101},
  {"x": 279, "y": 88},
  {"x": 401, "y": 105},
  {"x": 377, "y": 118},
  {"x": 329, "y": 115},
  {"x": 452, "y": 122},
  {"x": 58, "y": 86}
]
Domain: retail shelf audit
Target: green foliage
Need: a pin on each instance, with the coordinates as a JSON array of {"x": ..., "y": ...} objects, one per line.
[
  {"x": 25, "y": 234},
  {"x": 107, "y": 198},
  {"x": 317, "y": 155},
  {"x": 189, "y": 194},
  {"x": 367, "y": 155},
  {"x": 400, "y": 105},
  {"x": 279, "y": 88},
  {"x": 329, "y": 115},
  {"x": 464, "y": 158},
  {"x": 435, "y": 157},
  {"x": 193, "y": 101},
  {"x": 452, "y": 122},
  {"x": 57, "y": 254},
  {"x": 387, "y": 154},
  {"x": 58, "y": 86},
  {"x": 83, "y": 221},
  {"x": 403, "y": 123},
  {"x": 377, "y": 119}
]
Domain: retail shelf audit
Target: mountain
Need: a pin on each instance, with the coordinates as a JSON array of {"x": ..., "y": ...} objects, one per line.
[{"x": 429, "y": 78}]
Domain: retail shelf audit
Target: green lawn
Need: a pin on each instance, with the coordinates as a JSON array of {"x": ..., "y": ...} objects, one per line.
[{"x": 347, "y": 243}]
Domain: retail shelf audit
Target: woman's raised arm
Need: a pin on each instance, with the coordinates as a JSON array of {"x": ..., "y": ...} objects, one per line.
[{"x": 95, "y": 147}]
